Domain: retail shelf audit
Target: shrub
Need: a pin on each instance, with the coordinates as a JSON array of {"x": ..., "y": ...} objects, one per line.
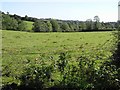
[{"x": 84, "y": 74}]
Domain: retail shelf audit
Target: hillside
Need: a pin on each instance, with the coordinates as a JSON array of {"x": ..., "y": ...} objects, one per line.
[
  {"x": 29, "y": 26},
  {"x": 15, "y": 42}
]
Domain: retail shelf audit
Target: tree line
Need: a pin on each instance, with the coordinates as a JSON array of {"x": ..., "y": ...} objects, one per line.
[{"x": 16, "y": 22}]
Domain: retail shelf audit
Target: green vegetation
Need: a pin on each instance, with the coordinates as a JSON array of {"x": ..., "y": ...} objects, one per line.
[
  {"x": 29, "y": 25},
  {"x": 18, "y": 23},
  {"x": 15, "y": 42},
  {"x": 116, "y": 54},
  {"x": 73, "y": 59},
  {"x": 53, "y": 57}
]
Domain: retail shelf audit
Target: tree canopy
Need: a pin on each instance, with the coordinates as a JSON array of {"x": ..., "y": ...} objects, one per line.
[{"x": 16, "y": 22}]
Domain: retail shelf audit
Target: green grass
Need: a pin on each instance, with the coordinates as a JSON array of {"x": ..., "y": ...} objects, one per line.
[
  {"x": 24, "y": 43},
  {"x": 20, "y": 47},
  {"x": 29, "y": 25}
]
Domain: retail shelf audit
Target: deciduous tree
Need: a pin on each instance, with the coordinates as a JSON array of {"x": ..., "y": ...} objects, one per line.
[{"x": 55, "y": 25}]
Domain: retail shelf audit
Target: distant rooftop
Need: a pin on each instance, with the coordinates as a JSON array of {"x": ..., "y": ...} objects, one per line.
[{"x": 119, "y": 3}]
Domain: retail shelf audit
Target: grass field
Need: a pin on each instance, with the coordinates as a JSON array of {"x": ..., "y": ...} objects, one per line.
[
  {"x": 29, "y": 25},
  {"x": 20, "y": 47},
  {"x": 24, "y": 43},
  {"x": 32, "y": 44}
]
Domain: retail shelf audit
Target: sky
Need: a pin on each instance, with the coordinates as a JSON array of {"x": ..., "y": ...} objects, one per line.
[{"x": 81, "y": 10}]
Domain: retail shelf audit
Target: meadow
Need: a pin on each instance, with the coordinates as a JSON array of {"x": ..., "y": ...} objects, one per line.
[
  {"x": 25, "y": 43},
  {"x": 21, "y": 48},
  {"x": 29, "y": 25}
]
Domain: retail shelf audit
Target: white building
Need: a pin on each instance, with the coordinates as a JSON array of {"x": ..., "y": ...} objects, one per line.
[{"x": 119, "y": 10}]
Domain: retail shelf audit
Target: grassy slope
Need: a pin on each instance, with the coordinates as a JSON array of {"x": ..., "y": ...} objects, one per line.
[
  {"x": 29, "y": 25},
  {"x": 20, "y": 47},
  {"x": 51, "y": 44},
  {"x": 15, "y": 42}
]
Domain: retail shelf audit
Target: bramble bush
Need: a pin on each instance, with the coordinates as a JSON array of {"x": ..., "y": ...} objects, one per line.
[
  {"x": 84, "y": 73},
  {"x": 116, "y": 54},
  {"x": 36, "y": 77}
]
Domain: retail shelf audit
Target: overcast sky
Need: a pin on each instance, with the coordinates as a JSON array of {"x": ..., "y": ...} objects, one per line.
[{"x": 107, "y": 10}]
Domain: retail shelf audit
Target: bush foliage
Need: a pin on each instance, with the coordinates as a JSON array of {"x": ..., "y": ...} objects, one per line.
[{"x": 84, "y": 73}]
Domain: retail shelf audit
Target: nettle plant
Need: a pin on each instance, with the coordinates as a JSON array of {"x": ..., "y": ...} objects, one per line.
[
  {"x": 36, "y": 76},
  {"x": 62, "y": 62}
]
